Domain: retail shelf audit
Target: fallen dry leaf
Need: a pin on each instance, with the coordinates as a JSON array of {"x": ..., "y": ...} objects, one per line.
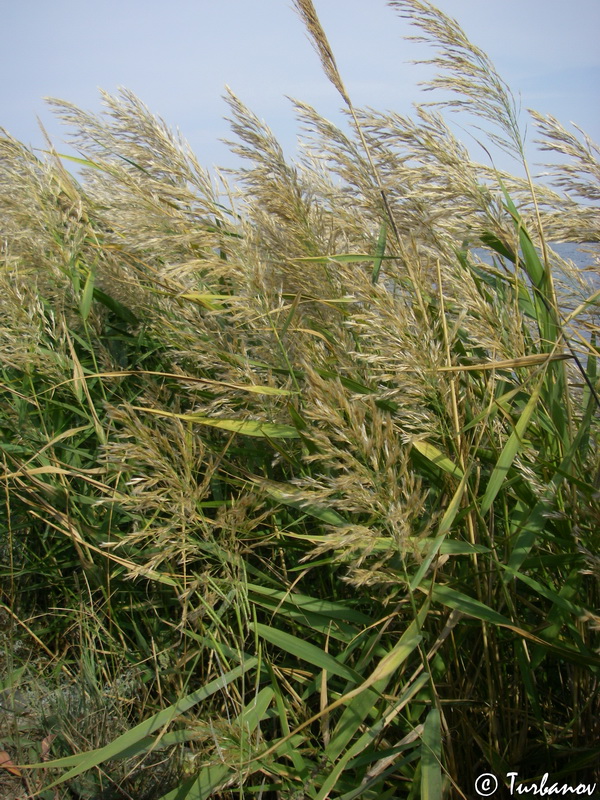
[
  {"x": 7, "y": 764},
  {"x": 46, "y": 744}
]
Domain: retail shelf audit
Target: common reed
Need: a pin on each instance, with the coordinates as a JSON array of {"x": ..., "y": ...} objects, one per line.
[{"x": 311, "y": 479}]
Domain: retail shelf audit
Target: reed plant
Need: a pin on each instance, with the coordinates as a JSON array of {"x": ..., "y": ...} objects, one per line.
[{"x": 300, "y": 490}]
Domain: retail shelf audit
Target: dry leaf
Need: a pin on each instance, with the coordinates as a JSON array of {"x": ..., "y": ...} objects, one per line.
[
  {"x": 46, "y": 745},
  {"x": 6, "y": 763}
]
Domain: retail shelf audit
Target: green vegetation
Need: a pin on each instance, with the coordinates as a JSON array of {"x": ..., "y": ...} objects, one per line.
[{"x": 300, "y": 496}]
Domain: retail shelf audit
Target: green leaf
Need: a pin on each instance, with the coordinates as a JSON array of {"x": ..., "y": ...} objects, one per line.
[
  {"x": 358, "y": 708},
  {"x": 467, "y": 605},
  {"x": 379, "y": 252},
  {"x": 370, "y": 736},
  {"x": 344, "y": 258},
  {"x": 124, "y": 314},
  {"x": 83, "y": 761},
  {"x": 288, "y": 495},
  {"x": 327, "y": 608},
  {"x": 528, "y": 676},
  {"x": 306, "y": 651},
  {"x": 246, "y": 427},
  {"x": 498, "y": 246},
  {"x": 452, "y": 547},
  {"x": 443, "y": 529},
  {"x": 255, "y": 711},
  {"x": 201, "y": 786},
  {"x": 302, "y": 765},
  {"x": 508, "y": 454},
  {"x": 527, "y": 521},
  {"x": 85, "y": 303},
  {"x": 214, "y": 776},
  {"x": 436, "y": 457},
  {"x": 431, "y": 754},
  {"x": 83, "y": 161},
  {"x": 544, "y": 591}
]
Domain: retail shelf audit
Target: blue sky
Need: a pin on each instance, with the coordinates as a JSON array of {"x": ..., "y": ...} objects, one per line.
[{"x": 177, "y": 56}]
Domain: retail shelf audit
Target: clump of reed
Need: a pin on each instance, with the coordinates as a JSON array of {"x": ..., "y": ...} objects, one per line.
[{"x": 321, "y": 479}]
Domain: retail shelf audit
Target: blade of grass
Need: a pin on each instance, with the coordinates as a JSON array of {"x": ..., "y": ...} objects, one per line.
[
  {"x": 509, "y": 452},
  {"x": 81, "y": 762},
  {"x": 431, "y": 754},
  {"x": 245, "y": 427},
  {"x": 379, "y": 252}
]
